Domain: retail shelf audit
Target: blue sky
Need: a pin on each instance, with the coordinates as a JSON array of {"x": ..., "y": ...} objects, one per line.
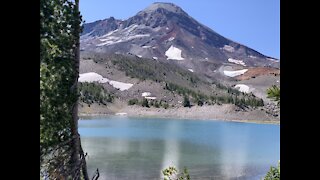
[{"x": 254, "y": 23}]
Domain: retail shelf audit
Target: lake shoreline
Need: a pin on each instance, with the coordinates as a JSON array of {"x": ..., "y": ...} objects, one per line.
[
  {"x": 225, "y": 112},
  {"x": 84, "y": 116}
]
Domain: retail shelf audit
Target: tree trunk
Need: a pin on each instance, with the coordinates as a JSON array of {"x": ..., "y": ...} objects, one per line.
[{"x": 77, "y": 152}]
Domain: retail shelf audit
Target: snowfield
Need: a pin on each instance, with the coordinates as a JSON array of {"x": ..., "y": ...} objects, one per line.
[
  {"x": 94, "y": 77},
  {"x": 109, "y": 33},
  {"x": 131, "y": 28},
  {"x": 121, "y": 114},
  {"x": 174, "y": 53},
  {"x": 271, "y": 59},
  {"x": 155, "y": 58},
  {"x": 114, "y": 40},
  {"x": 120, "y": 85},
  {"x": 151, "y": 98},
  {"x": 228, "y": 48},
  {"x": 235, "y": 73},
  {"x": 242, "y": 88},
  {"x": 171, "y": 39},
  {"x": 190, "y": 70},
  {"x": 240, "y": 62},
  {"x": 107, "y": 39},
  {"x": 144, "y": 94}
]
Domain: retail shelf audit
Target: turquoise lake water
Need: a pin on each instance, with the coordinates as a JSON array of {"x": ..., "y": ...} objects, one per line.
[{"x": 139, "y": 148}]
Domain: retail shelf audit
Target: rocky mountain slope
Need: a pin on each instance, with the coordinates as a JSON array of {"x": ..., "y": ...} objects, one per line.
[
  {"x": 164, "y": 31},
  {"x": 163, "y": 55}
]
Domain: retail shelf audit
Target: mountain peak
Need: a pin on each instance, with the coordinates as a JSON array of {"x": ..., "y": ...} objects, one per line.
[
  {"x": 162, "y": 5},
  {"x": 154, "y": 30}
]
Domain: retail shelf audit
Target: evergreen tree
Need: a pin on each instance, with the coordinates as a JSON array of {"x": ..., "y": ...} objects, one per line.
[
  {"x": 61, "y": 155},
  {"x": 273, "y": 173},
  {"x": 200, "y": 102},
  {"x": 186, "y": 102},
  {"x": 156, "y": 104},
  {"x": 274, "y": 93},
  {"x": 145, "y": 103},
  {"x": 133, "y": 101}
]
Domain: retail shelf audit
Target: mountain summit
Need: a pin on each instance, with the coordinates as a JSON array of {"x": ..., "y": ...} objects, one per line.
[
  {"x": 165, "y": 6},
  {"x": 163, "y": 31}
]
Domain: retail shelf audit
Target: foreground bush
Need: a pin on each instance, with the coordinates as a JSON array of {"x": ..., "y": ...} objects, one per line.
[
  {"x": 273, "y": 173},
  {"x": 171, "y": 173}
]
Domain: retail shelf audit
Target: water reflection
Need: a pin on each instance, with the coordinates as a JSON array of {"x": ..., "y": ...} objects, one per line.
[
  {"x": 171, "y": 146},
  {"x": 139, "y": 149},
  {"x": 234, "y": 151}
]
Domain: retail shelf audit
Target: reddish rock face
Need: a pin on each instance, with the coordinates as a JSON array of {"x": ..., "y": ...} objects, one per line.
[{"x": 255, "y": 72}]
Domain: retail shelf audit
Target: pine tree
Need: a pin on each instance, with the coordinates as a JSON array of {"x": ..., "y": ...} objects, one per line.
[
  {"x": 61, "y": 155},
  {"x": 274, "y": 93},
  {"x": 145, "y": 103},
  {"x": 186, "y": 102}
]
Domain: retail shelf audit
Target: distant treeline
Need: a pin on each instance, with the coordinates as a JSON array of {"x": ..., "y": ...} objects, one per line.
[
  {"x": 148, "y": 103},
  {"x": 232, "y": 96},
  {"x": 94, "y": 93},
  {"x": 180, "y": 81},
  {"x": 152, "y": 69}
]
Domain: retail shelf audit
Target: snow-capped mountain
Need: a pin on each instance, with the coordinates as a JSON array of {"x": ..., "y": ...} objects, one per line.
[{"x": 163, "y": 31}]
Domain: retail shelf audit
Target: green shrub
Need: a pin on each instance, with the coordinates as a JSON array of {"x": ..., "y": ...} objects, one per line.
[
  {"x": 273, "y": 173},
  {"x": 274, "y": 93},
  {"x": 93, "y": 93},
  {"x": 165, "y": 105},
  {"x": 156, "y": 104},
  {"x": 145, "y": 103},
  {"x": 200, "y": 102},
  {"x": 133, "y": 101},
  {"x": 186, "y": 102},
  {"x": 171, "y": 173}
]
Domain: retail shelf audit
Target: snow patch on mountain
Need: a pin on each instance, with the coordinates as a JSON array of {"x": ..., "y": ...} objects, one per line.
[
  {"x": 235, "y": 73},
  {"x": 174, "y": 53},
  {"x": 121, "y": 114},
  {"x": 271, "y": 59},
  {"x": 228, "y": 48},
  {"x": 190, "y": 70},
  {"x": 94, "y": 77},
  {"x": 118, "y": 36},
  {"x": 144, "y": 94},
  {"x": 242, "y": 88},
  {"x": 130, "y": 28},
  {"x": 240, "y": 62},
  {"x": 114, "y": 40},
  {"x": 109, "y": 33},
  {"x": 171, "y": 39},
  {"x": 153, "y": 98},
  {"x": 120, "y": 85}
]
